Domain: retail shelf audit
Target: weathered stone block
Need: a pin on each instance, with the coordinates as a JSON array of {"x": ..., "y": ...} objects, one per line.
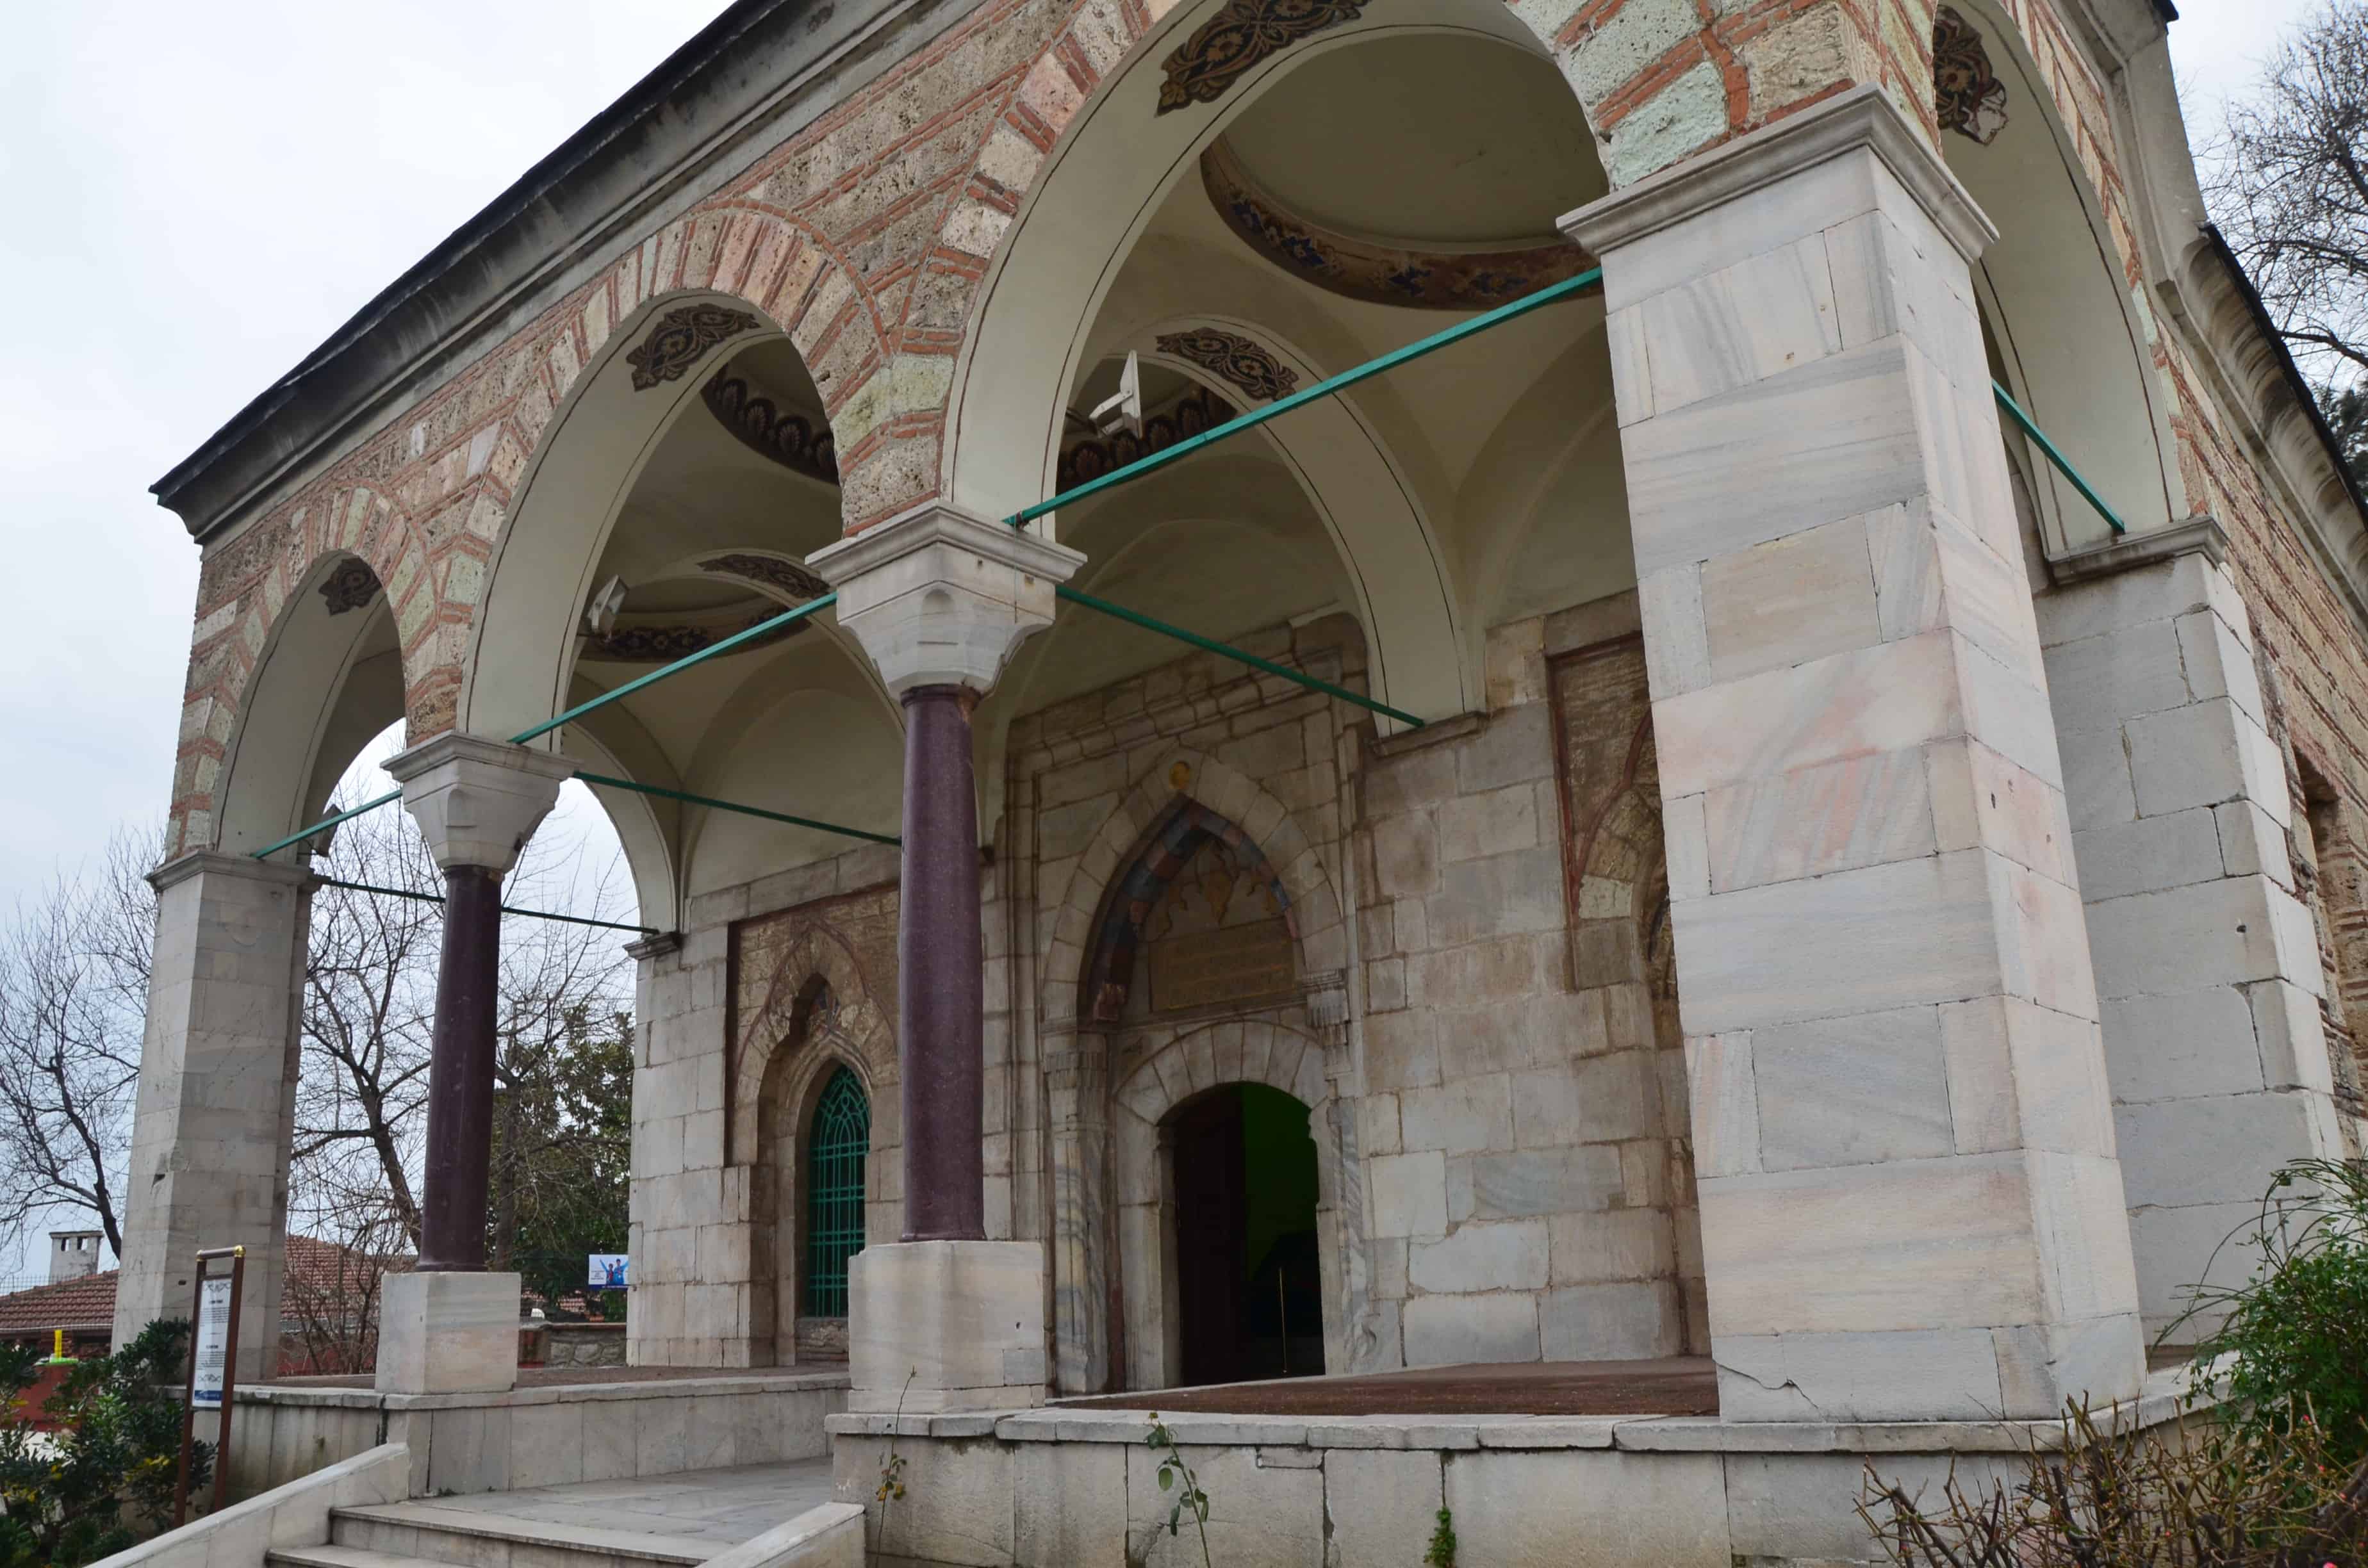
[
  {"x": 1482, "y": 1255},
  {"x": 1447, "y": 1331},
  {"x": 946, "y": 1326},
  {"x": 1533, "y": 1510},
  {"x": 1626, "y": 1321},
  {"x": 1852, "y": 1091}
]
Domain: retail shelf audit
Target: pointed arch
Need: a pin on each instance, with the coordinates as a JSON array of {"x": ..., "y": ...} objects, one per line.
[
  {"x": 334, "y": 629},
  {"x": 629, "y": 359},
  {"x": 1228, "y": 796},
  {"x": 817, "y": 959}
]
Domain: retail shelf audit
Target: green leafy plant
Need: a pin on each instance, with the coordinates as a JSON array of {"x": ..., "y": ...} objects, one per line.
[
  {"x": 103, "y": 1480},
  {"x": 1441, "y": 1554},
  {"x": 1177, "y": 1477},
  {"x": 2292, "y": 1341},
  {"x": 2195, "y": 1497},
  {"x": 891, "y": 1489}
]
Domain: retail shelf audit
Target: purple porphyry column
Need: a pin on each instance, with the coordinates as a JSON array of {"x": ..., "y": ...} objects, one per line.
[
  {"x": 460, "y": 1072},
  {"x": 939, "y": 966}
]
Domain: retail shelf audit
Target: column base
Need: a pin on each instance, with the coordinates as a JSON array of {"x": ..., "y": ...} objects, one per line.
[
  {"x": 448, "y": 1333},
  {"x": 946, "y": 1326}
]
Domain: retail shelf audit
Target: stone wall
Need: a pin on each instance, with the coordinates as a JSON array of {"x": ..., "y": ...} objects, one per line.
[
  {"x": 1525, "y": 1114},
  {"x": 696, "y": 1298},
  {"x": 1489, "y": 1054},
  {"x": 2208, "y": 963}
]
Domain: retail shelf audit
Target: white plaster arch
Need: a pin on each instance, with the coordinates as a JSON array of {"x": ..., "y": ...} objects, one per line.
[
  {"x": 824, "y": 744},
  {"x": 2075, "y": 337},
  {"x": 324, "y": 686},
  {"x": 1406, "y": 595},
  {"x": 522, "y": 659},
  {"x": 645, "y": 825},
  {"x": 1530, "y": 487},
  {"x": 1247, "y": 1051},
  {"x": 1047, "y": 284},
  {"x": 1318, "y": 923}
]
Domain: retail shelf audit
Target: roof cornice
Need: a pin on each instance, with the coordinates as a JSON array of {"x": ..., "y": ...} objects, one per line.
[{"x": 658, "y": 148}]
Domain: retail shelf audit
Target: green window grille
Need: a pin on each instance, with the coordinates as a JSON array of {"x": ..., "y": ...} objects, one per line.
[{"x": 836, "y": 1145}]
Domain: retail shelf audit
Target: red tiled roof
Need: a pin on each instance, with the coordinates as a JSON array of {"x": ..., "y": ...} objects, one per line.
[{"x": 89, "y": 1302}]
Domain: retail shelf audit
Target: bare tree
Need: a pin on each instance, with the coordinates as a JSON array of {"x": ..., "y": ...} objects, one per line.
[
  {"x": 370, "y": 1007},
  {"x": 2289, "y": 184},
  {"x": 73, "y": 995},
  {"x": 369, "y": 1014}
]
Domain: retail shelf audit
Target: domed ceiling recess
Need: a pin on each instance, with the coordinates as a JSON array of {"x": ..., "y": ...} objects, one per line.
[
  {"x": 1423, "y": 171},
  {"x": 765, "y": 400}
]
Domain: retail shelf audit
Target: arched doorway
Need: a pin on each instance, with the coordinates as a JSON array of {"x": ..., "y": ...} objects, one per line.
[
  {"x": 1248, "y": 1282},
  {"x": 838, "y": 1139}
]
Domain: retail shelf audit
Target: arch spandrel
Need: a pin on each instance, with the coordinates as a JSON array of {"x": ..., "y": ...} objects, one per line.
[{"x": 270, "y": 671}]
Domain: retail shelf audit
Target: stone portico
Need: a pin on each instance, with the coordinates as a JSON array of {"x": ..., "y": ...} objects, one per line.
[{"x": 1695, "y": 847}]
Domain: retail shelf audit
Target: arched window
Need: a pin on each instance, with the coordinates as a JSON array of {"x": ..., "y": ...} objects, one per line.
[{"x": 835, "y": 1144}]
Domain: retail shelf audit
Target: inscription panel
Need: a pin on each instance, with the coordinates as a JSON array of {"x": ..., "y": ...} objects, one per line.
[{"x": 1250, "y": 962}]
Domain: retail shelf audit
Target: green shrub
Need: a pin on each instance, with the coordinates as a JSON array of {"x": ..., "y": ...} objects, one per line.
[
  {"x": 2293, "y": 1340},
  {"x": 103, "y": 1480}
]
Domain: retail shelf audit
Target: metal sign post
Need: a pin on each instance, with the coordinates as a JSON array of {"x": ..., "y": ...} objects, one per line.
[{"x": 214, "y": 1371}]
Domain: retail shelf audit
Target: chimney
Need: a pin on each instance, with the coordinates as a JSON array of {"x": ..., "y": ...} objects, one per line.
[{"x": 72, "y": 1254}]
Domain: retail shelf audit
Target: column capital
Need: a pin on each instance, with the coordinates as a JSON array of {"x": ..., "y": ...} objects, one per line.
[
  {"x": 217, "y": 863},
  {"x": 1863, "y": 118},
  {"x": 478, "y": 800},
  {"x": 938, "y": 598}
]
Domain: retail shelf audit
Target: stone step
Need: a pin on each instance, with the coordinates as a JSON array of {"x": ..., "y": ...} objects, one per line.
[
  {"x": 470, "y": 1537},
  {"x": 338, "y": 1557}
]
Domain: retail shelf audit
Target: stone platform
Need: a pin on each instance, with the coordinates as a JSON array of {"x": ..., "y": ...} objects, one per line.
[
  {"x": 559, "y": 1427},
  {"x": 1075, "y": 1483},
  {"x": 1679, "y": 1385}
]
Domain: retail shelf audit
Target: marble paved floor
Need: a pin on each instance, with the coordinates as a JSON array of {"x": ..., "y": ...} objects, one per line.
[{"x": 723, "y": 1507}]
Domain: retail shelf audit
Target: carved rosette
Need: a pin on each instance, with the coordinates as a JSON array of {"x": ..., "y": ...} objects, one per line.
[
  {"x": 1248, "y": 365},
  {"x": 351, "y": 586},
  {"x": 681, "y": 338},
  {"x": 1224, "y": 49},
  {"x": 1970, "y": 97}
]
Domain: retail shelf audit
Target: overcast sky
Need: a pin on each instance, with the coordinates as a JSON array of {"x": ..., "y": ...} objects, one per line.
[{"x": 197, "y": 194}]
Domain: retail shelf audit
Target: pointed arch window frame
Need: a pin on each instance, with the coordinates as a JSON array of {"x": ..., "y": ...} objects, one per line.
[{"x": 837, "y": 1150}]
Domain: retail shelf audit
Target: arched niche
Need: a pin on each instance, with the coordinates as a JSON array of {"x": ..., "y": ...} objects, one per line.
[{"x": 2071, "y": 335}]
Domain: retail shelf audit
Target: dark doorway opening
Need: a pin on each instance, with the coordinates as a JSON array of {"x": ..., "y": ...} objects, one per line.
[{"x": 1249, "y": 1293}]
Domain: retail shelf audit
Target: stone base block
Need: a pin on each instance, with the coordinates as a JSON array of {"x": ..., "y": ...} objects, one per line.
[
  {"x": 448, "y": 1334},
  {"x": 946, "y": 1326}
]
